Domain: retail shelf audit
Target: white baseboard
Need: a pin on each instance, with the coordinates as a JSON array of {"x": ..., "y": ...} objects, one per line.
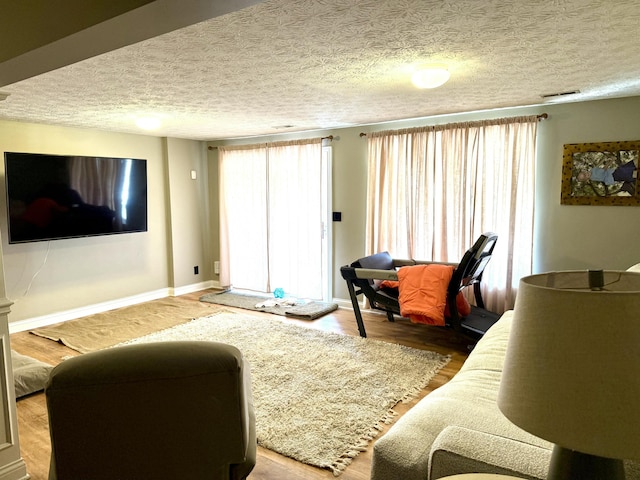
[
  {"x": 342, "y": 303},
  {"x": 44, "y": 320},
  {"x": 193, "y": 288}
]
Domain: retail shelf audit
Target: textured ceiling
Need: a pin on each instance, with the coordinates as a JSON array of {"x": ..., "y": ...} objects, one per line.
[{"x": 316, "y": 64}]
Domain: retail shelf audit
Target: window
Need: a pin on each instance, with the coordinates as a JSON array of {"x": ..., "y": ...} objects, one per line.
[{"x": 433, "y": 190}]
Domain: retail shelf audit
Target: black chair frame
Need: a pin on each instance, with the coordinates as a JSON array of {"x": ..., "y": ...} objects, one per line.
[{"x": 365, "y": 274}]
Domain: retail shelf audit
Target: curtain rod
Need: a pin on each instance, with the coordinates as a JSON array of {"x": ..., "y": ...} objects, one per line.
[
  {"x": 330, "y": 137},
  {"x": 542, "y": 116}
]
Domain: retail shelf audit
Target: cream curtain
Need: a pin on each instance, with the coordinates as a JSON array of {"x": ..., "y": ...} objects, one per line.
[
  {"x": 432, "y": 191},
  {"x": 270, "y": 217},
  {"x": 295, "y": 218},
  {"x": 243, "y": 217}
]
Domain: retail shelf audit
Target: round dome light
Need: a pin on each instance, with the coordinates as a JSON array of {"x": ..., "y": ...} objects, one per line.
[{"x": 430, "y": 77}]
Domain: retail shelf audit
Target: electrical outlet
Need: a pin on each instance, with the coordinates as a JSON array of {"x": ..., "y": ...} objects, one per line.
[
  {"x": 196, "y": 270},
  {"x": 216, "y": 267}
]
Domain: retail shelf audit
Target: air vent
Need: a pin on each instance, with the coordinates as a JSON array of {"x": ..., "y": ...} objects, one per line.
[
  {"x": 3, "y": 96},
  {"x": 560, "y": 94}
]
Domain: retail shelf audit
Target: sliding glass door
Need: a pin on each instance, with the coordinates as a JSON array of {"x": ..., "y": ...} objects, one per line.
[{"x": 274, "y": 202}]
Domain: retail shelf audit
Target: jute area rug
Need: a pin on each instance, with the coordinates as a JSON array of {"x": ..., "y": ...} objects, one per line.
[
  {"x": 320, "y": 397},
  {"x": 102, "y": 330}
]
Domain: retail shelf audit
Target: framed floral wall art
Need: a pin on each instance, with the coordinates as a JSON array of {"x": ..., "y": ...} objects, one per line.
[{"x": 601, "y": 173}]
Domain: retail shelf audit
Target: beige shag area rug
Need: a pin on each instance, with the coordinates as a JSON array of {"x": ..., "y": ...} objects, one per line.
[
  {"x": 320, "y": 397},
  {"x": 102, "y": 330}
]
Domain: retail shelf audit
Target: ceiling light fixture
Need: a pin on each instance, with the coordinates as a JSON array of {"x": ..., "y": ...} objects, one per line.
[
  {"x": 148, "y": 123},
  {"x": 430, "y": 76}
]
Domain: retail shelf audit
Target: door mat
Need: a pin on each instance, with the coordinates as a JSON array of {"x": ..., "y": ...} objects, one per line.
[{"x": 289, "y": 307}]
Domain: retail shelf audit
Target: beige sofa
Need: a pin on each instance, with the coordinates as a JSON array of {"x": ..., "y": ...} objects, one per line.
[{"x": 459, "y": 429}]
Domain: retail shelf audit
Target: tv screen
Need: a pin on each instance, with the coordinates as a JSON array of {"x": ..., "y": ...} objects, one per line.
[{"x": 52, "y": 197}]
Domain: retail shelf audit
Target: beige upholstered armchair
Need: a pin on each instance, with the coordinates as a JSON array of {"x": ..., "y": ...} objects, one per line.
[{"x": 152, "y": 411}]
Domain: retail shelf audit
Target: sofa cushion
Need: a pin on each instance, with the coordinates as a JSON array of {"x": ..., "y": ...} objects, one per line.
[
  {"x": 29, "y": 374},
  {"x": 489, "y": 352},
  {"x": 461, "y": 450}
]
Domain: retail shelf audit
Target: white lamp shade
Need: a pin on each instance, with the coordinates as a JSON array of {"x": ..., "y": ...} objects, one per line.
[{"x": 572, "y": 368}]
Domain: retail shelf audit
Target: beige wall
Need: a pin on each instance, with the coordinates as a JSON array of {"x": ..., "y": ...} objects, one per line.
[
  {"x": 183, "y": 218},
  {"x": 581, "y": 237},
  {"x": 45, "y": 278},
  {"x": 188, "y": 203},
  {"x": 566, "y": 237}
]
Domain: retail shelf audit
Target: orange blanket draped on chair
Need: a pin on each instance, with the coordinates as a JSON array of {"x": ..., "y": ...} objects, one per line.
[{"x": 423, "y": 293}]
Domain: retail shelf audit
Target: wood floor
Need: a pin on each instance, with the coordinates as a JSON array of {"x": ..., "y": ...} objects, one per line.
[{"x": 32, "y": 414}]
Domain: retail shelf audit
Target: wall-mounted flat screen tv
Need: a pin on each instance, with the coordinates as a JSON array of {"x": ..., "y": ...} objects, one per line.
[{"x": 52, "y": 197}]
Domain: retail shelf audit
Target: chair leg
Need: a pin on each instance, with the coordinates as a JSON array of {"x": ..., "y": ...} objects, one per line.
[
  {"x": 356, "y": 309},
  {"x": 390, "y": 316}
]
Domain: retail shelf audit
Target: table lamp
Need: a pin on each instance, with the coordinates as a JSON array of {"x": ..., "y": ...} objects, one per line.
[{"x": 572, "y": 370}]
